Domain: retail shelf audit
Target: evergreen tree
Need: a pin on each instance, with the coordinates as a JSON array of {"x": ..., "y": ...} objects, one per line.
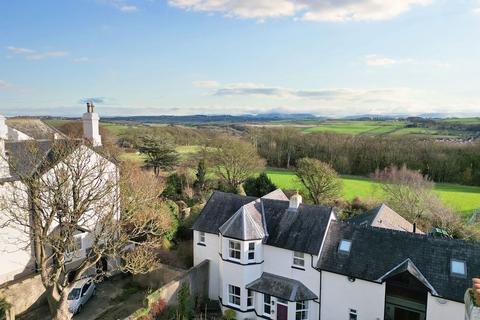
[{"x": 259, "y": 186}]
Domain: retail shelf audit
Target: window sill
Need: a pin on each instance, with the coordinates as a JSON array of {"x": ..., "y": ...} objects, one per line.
[
  {"x": 298, "y": 268},
  {"x": 201, "y": 244}
]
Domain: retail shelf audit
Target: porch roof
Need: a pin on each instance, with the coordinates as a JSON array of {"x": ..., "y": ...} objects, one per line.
[{"x": 281, "y": 287}]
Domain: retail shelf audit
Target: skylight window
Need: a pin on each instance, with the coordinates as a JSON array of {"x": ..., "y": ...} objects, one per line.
[
  {"x": 345, "y": 246},
  {"x": 458, "y": 267}
]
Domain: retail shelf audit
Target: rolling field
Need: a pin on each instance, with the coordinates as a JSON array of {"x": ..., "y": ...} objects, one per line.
[
  {"x": 372, "y": 127},
  {"x": 464, "y": 199}
]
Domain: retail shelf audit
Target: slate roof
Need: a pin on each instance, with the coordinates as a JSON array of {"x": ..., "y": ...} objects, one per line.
[
  {"x": 302, "y": 230},
  {"x": 376, "y": 251},
  {"x": 34, "y": 128},
  {"x": 218, "y": 209},
  {"x": 281, "y": 287},
  {"x": 29, "y": 157},
  {"x": 384, "y": 217},
  {"x": 246, "y": 224}
]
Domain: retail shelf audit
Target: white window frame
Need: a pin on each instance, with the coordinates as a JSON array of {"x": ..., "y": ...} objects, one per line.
[
  {"x": 299, "y": 259},
  {"x": 267, "y": 304},
  {"x": 352, "y": 314},
  {"x": 251, "y": 251},
  {"x": 301, "y": 310},
  {"x": 232, "y": 295},
  {"x": 454, "y": 263},
  {"x": 345, "y": 246},
  {"x": 232, "y": 250},
  {"x": 250, "y": 298},
  {"x": 201, "y": 237}
]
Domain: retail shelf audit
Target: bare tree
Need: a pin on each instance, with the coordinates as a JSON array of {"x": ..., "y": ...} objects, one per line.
[
  {"x": 319, "y": 179},
  {"x": 235, "y": 160},
  {"x": 64, "y": 191}
]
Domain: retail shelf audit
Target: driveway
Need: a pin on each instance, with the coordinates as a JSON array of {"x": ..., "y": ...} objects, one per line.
[{"x": 116, "y": 298}]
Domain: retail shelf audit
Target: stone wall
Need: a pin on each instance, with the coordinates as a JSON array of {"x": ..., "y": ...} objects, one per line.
[
  {"x": 197, "y": 279},
  {"x": 23, "y": 294}
]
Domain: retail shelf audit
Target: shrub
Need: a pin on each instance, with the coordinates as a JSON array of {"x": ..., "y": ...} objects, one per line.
[
  {"x": 157, "y": 308},
  {"x": 229, "y": 314},
  {"x": 259, "y": 186}
]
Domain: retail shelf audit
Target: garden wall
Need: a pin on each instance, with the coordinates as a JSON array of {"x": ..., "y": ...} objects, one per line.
[
  {"x": 23, "y": 294},
  {"x": 197, "y": 280}
]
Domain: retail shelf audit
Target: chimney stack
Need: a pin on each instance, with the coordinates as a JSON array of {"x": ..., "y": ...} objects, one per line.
[
  {"x": 4, "y": 166},
  {"x": 90, "y": 126},
  {"x": 295, "y": 201}
]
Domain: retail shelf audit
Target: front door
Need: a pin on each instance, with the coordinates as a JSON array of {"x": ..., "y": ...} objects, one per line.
[{"x": 282, "y": 312}]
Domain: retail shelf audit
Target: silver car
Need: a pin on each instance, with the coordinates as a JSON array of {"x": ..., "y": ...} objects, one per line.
[{"x": 83, "y": 290}]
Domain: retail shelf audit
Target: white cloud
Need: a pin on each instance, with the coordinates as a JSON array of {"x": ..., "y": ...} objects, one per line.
[
  {"x": 17, "y": 50},
  {"x": 476, "y": 11},
  {"x": 206, "y": 84},
  {"x": 241, "y": 8},
  {"x": 32, "y": 54},
  {"x": 309, "y": 10},
  {"x": 330, "y": 95},
  {"x": 4, "y": 85},
  {"x": 47, "y": 55},
  {"x": 358, "y": 10},
  {"x": 81, "y": 59},
  {"x": 374, "y": 60},
  {"x": 128, "y": 8},
  {"x": 121, "y": 5}
]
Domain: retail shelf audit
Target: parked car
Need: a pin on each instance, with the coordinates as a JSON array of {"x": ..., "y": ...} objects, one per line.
[{"x": 83, "y": 290}]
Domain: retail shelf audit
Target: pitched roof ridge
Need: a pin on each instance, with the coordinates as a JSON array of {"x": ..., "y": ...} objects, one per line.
[
  {"x": 405, "y": 233},
  {"x": 410, "y": 264}
]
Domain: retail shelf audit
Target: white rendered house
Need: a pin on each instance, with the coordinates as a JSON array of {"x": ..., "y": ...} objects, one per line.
[
  {"x": 276, "y": 258},
  {"x": 17, "y": 250}
]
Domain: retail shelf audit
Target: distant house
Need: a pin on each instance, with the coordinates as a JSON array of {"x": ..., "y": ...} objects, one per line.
[
  {"x": 17, "y": 250},
  {"x": 277, "y": 258}
]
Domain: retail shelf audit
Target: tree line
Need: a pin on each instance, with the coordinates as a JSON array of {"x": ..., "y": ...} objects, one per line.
[{"x": 362, "y": 155}]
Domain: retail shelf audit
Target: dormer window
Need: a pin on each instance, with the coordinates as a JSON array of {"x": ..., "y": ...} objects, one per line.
[
  {"x": 458, "y": 268},
  {"x": 298, "y": 259},
  {"x": 234, "y": 250},
  {"x": 345, "y": 246}
]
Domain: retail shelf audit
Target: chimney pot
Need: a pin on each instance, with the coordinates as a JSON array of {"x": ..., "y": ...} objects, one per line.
[{"x": 295, "y": 201}]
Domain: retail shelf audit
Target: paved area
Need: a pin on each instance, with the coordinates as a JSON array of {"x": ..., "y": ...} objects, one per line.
[{"x": 111, "y": 302}]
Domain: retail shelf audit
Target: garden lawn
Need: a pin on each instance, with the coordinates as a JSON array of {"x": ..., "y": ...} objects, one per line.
[{"x": 464, "y": 199}]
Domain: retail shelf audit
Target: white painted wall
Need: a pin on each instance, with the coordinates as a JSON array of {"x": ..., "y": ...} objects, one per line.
[
  {"x": 15, "y": 245},
  {"x": 438, "y": 308},
  {"x": 208, "y": 252},
  {"x": 339, "y": 295},
  {"x": 16, "y": 248},
  {"x": 279, "y": 262}
]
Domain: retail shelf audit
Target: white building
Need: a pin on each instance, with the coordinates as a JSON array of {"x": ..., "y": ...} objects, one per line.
[
  {"x": 17, "y": 250},
  {"x": 276, "y": 258}
]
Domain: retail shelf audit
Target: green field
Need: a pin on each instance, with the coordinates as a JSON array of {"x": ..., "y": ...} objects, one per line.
[
  {"x": 185, "y": 152},
  {"x": 464, "y": 199},
  {"x": 373, "y": 127}
]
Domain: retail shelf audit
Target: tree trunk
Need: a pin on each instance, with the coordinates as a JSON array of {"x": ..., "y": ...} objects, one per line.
[{"x": 58, "y": 304}]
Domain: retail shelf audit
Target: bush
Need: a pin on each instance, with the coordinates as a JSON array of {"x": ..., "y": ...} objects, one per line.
[
  {"x": 157, "y": 308},
  {"x": 229, "y": 314},
  {"x": 259, "y": 186}
]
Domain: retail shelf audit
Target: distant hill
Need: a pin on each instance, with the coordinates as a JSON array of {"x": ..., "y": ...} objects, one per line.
[{"x": 216, "y": 118}]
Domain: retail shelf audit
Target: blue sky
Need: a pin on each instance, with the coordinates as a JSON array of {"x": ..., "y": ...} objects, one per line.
[{"x": 239, "y": 56}]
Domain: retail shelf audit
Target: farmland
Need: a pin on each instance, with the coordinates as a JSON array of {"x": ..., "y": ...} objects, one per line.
[
  {"x": 373, "y": 127},
  {"x": 464, "y": 199}
]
